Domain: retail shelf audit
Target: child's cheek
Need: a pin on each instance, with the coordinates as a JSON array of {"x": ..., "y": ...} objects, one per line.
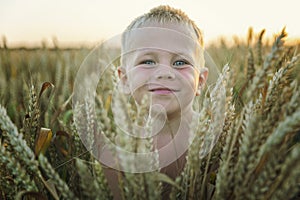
[
  {"x": 190, "y": 78},
  {"x": 137, "y": 78},
  {"x": 189, "y": 74}
]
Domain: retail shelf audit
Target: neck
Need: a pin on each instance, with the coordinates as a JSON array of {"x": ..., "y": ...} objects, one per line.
[{"x": 165, "y": 128}]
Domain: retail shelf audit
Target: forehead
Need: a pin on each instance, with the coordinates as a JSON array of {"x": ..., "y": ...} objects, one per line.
[{"x": 172, "y": 37}]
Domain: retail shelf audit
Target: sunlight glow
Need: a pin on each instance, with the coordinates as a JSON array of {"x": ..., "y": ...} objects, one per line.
[{"x": 81, "y": 21}]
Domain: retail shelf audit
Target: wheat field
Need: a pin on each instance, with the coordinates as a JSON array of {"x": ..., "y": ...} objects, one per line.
[{"x": 256, "y": 155}]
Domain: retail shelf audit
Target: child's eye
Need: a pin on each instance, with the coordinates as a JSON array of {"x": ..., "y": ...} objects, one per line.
[
  {"x": 180, "y": 63},
  {"x": 148, "y": 62}
]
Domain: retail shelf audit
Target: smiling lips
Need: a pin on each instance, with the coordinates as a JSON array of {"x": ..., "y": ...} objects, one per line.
[{"x": 162, "y": 90}]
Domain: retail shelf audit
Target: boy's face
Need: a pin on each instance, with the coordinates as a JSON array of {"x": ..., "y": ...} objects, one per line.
[{"x": 163, "y": 63}]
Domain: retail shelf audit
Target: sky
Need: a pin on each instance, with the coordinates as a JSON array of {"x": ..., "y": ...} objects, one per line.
[{"x": 91, "y": 21}]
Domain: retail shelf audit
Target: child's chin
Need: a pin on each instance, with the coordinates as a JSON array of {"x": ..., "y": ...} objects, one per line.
[
  {"x": 163, "y": 109},
  {"x": 158, "y": 108}
]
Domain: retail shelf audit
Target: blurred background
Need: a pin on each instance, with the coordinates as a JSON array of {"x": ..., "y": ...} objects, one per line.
[{"x": 77, "y": 22}]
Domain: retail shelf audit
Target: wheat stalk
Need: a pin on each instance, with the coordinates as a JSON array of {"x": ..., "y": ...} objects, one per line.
[
  {"x": 61, "y": 186},
  {"x": 22, "y": 178}
]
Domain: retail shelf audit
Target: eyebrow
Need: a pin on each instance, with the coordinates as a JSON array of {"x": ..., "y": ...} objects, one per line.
[
  {"x": 183, "y": 55},
  {"x": 149, "y": 51},
  {"x": 143, "y": 53}
]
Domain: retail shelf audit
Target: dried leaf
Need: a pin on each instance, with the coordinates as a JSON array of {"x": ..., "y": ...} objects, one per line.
[
  {"x": 45, "y": 86},
  {"x": 43, "y": 141},
  {"x": 50, "y": 187},
  {"x": 59, "y": 143}
]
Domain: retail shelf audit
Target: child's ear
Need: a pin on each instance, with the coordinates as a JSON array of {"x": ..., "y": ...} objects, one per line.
[
  {"x": 123, "y": 85},
  {"x": 202, "y": 79}
]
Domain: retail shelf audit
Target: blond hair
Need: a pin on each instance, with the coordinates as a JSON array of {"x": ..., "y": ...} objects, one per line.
[{"x": 163, "y": 14}]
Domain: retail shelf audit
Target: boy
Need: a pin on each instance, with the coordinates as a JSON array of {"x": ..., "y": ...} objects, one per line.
[{"x": 162, "y": 59}]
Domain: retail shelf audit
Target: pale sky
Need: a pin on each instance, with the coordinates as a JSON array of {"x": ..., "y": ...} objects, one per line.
[{"x": 32, "y": 21}]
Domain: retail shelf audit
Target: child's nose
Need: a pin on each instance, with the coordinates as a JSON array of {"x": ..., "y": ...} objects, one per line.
[{"x": 164, "y": 72}]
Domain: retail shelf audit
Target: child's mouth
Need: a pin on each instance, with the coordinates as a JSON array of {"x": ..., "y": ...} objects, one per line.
[{"x": 162, "y": 91}]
